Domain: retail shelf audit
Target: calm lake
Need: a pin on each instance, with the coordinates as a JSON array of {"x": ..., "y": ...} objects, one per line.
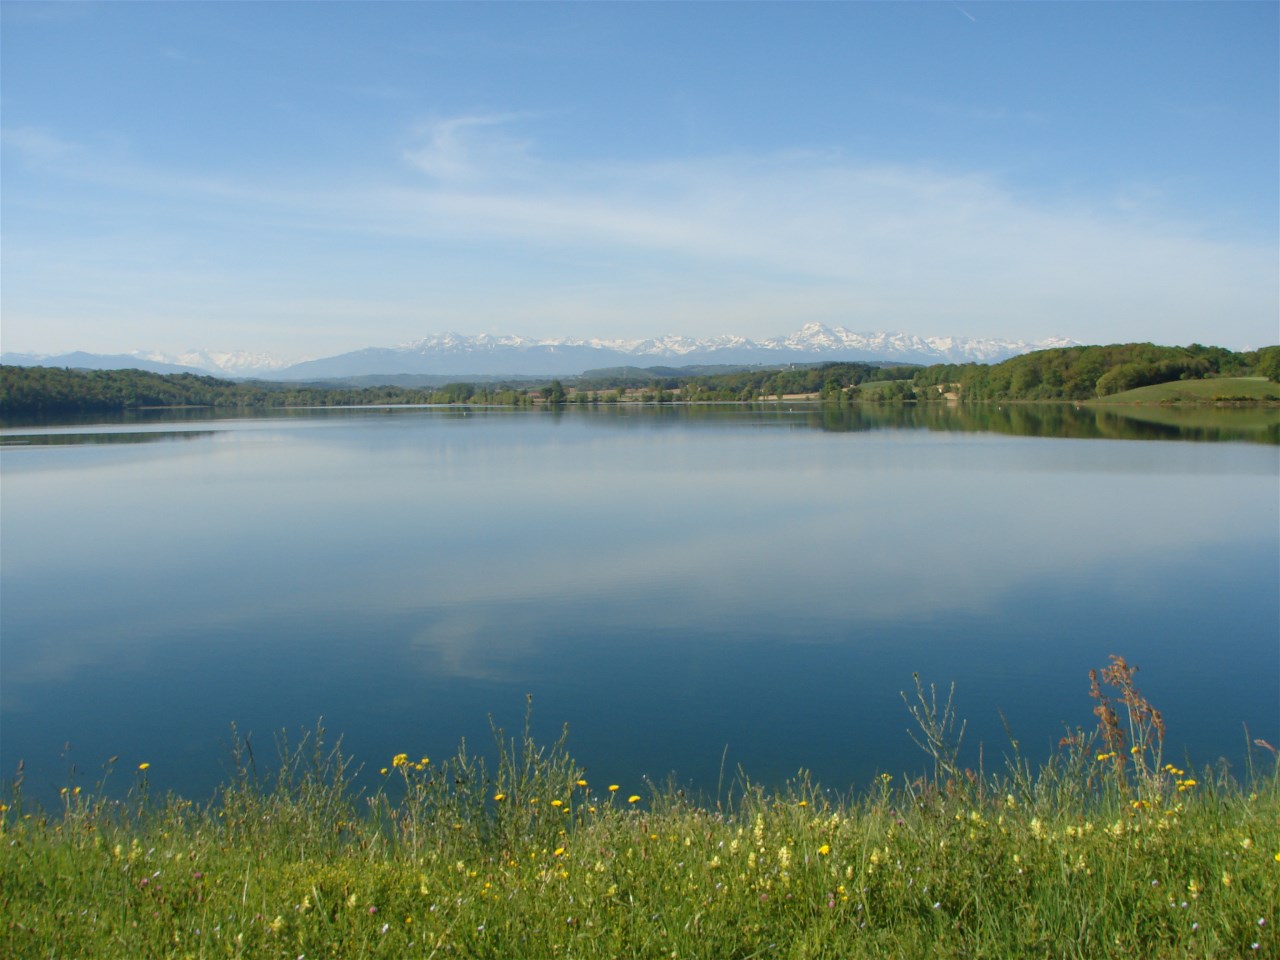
[{"x": 679, "y": 585}]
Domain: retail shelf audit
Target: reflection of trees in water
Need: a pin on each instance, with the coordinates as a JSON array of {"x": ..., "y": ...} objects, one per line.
[
  {"x": 1056, "y": 420},
  {"x": 95, "y": 439},
  {"x": 1065, "y": 420}
]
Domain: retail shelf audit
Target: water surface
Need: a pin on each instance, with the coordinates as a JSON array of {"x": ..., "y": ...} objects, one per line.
[{"x": 680, "y": 585}]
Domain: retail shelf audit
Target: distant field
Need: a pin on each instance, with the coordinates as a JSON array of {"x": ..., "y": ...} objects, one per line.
[{"x": 1200, "y": 391}]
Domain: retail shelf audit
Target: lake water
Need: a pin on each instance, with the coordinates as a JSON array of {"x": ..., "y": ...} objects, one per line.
[{"x": 679, "y": 585}]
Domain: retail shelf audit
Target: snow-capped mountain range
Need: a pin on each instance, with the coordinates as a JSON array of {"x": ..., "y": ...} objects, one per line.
[{"x": 455, "y": 354}]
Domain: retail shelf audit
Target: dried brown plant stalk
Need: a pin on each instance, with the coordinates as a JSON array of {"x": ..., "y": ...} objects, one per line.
[{"x": 1142, "y": 728}]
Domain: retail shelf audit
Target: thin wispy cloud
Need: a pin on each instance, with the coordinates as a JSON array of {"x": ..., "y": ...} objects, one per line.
[
  {"x": 769, "y": 239},
  {"x": 912, "y": 234},
  {"x": 471, "y": 148},
  {"x": 38, "y": 146},
  {"x": 1017, "y": 170}
]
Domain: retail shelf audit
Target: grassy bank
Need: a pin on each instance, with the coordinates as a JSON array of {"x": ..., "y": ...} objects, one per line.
[
  {"x": 1215, "y": 390},
  {"x": 1106, "y": 850}
]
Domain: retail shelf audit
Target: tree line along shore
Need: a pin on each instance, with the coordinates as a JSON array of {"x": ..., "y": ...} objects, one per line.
[{"x": 1064, "y": 374}]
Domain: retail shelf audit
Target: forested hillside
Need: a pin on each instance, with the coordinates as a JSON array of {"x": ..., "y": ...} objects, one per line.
[
  {"x": 1083, "y": 373},
  {"x": 1069, "y": 373},
  {"x": 57, "y": 390}
]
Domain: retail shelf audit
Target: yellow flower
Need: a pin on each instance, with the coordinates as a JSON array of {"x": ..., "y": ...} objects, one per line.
[
  {"x": 803, "y": 803},
  {"x": 424, "y": 761},
  {"x": 383, "y": 771},
  {"x": 144, "y": 766},
  {"x": 582, "y": 783},
  {"x": 557, "y": 803},
  {"x": 1278, "y": 857},
  {"x": 634, "y": 798},
  {"x": 613, "y": 788},
  {"x": 559, "y": 852},
  {"x": 499, "y": 797},
  {"x": 824, "y": 850},
  {"x": 400, "y": 759}
]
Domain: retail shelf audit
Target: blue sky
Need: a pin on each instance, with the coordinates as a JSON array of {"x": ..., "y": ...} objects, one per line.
[{"x": 311, "y": 178}]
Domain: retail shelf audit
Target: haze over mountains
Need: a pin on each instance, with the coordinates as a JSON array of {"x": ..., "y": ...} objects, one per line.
[{"x": 452, "y": 354}]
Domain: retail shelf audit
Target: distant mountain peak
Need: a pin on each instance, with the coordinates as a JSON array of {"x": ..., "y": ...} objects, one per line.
[{"x": 455, "y": 354}]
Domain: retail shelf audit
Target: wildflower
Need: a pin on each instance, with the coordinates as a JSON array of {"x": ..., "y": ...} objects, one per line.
[
  {"x": 276, "y": 925},
  {"x": 824, "y": 850},
  {"x": 144, "y": 766},
  {"x": 582, "y": 783},
  {"x": 383, "y": 771},
  {"x": 557, "y": 803},
  {"x": 559, "y": 852},
  {"x": 425, "y": 761},
  {"x": 613, "y": 788},
  {"x": 499, "y": 797},
  {"x": 803, "y": 803},
  {"x": 400, "y": 759},
  {"x": 634, "y": 798}
]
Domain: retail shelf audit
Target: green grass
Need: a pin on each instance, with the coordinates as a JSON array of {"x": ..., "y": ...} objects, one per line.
[
  {"x": 1214, "y": 390},
  {"x": 1121, "y": 856}
]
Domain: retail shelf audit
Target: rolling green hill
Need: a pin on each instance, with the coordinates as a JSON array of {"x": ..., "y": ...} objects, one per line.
[{"x": 1213, "y": 390}]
